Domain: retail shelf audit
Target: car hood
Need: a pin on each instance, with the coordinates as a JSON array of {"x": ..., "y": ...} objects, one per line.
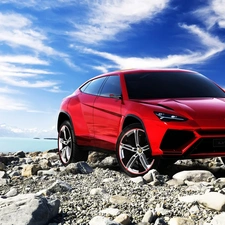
[{"x": 195, "y": 108}]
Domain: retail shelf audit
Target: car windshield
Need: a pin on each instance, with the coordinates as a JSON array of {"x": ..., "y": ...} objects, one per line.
[{"x": 170, "y": 84}]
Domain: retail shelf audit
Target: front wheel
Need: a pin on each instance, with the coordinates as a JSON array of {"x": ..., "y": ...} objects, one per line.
[
  {"x": 68, "y": 149},
  {"x": 133, "y": 151}
]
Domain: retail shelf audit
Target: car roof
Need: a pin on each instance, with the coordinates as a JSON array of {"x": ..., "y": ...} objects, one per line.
[{"x": 131, "y": 71}]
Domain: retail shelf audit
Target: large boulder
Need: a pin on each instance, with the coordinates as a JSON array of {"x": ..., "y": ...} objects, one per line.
[
  {"x": 194, "y": 175},
  {"x": 27, "y": 209},
  {"x": 211, "y": 200}
]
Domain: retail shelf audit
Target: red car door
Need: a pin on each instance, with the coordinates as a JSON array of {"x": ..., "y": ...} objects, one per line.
[
  {"x": 107, "y": 114},
  {"x": 87, "y": 98}
]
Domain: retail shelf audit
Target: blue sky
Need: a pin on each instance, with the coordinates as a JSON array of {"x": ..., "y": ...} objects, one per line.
[{"x": 48, "y": 48}]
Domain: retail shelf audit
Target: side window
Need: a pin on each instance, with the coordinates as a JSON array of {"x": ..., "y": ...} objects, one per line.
[
  {"x": 111, "y": 87},
  {"x": 85, "y": 86},
  {"x": 93, "y": 86}
]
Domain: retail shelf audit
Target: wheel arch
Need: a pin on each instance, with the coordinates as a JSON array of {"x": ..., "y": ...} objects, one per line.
[
  {"x": 130, "y": 119},
  {"x": 63, "y": 116}
]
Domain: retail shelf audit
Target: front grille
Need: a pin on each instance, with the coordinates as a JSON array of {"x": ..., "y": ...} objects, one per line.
[
  {"x": 205, "y": 145},
  {"x": 175, "y": 139}
]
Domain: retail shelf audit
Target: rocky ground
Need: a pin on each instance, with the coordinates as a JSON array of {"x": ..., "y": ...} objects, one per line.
[{"x": 36, "y": 189}]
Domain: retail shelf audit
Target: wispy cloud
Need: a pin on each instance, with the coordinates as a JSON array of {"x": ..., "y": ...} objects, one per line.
[
  {"x": 213, "y": 13},
  {"x": 11, "y": 104},
  {"x": 22, "y": 59},
  {"x": 109, "y": 17},
  {"x": 56, "y": 89},
  {"x": 28, "y": 84},
  {"x": 43, "y": 5},
  {"x": 7, "y": 90},
  {"x": 211, "y": 44},
  {"x": 17, "y": 30}
]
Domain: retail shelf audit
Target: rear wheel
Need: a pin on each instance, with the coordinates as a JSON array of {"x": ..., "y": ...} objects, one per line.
[
  {"x": 68, "y": 149},
  {"x": 133, "y": 151}
]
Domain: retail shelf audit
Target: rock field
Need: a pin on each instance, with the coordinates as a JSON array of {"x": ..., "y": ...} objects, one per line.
[{"x": 35, "y": 189}]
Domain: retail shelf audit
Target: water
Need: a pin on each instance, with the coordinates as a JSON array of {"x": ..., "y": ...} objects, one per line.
[{"x": 8, "y": 144}]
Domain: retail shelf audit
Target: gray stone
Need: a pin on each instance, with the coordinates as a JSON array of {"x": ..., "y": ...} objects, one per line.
[
  {"x": 160, "y": 221},
  {"x": 109, "y": 161},
  {"x": 110, "y": 211},
  {"x": 194, "y": 175},
  {"x": 8, "y": 159},
  {"x": 12, "y": 192},
  {"x": 118, "y": 199},
  {"x": 181, "y": 221},
  {"x": 45, "y": 164},
  {"x": 95, "y": 157},
  {"x": 108, "y": 180},
  {"x": 97, "y": 191},
  {"x": 50, "y": 172},
  {"x": 100, "y": 220},
  {"x": 218, "y": 219},
  {"x": 2, "y": 174},
  {"x": 207, "y": 200},
  {"x": 151, "y": 175},
  {"x": 80, "y": 167},
  {"x": 20, "y": 154},
  {"x": 137, "y": 180},
  {"x": 51, "y": 156},
  {"x": 175, "y": 182},
  {"x": 3, "y": 182},
  {"x": 84, "y": 168},
  {"x": 148, "y": 217},
  {"x": 220, "y": 182},
  {"x": 123, "y": 219},
  {"x": 2, "y": 166},
  {"x": 15, "y": 174},
  {"x": 29, "y": 170},
  {"x": 59, "y": 186},
  {"x": 27, "y": 209}
]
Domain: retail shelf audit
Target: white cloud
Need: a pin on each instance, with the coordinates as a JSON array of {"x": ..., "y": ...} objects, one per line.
[
  {"x": 28, "y": 84},
  {"x": 22, "y": 59},
  {"x": 11, "y": 104},
  {"x": 43, "y": 5},
  {"x": 17, "y": 30},
  {"x": 211, "y": 44},
  {"x": 7, "y": 90},
  {"x": 218, "y": 6},
  {"x": 109, "y": 17},
  {"x": 55, "y": 89},
  {"x": 12, "y": 131},
  {"x": 213, "y": 13}
]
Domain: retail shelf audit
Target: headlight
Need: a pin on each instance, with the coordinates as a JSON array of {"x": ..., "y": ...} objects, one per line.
[{"x": 169, "y": 117}]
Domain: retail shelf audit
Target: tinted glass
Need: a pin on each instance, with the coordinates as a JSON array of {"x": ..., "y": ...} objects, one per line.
[
  {"x": 111, "y": 87},
  {"x": 149, "y": 85},
  {"x": 93, "y": 86},
  {"x": 84, "y": 86}
]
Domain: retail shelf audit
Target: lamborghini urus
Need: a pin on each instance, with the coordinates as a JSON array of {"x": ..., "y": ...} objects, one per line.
[{"x": 144, "y": 117}]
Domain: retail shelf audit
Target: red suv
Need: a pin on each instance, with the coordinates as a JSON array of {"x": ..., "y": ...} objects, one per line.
[{"x": 145, "y": 117}]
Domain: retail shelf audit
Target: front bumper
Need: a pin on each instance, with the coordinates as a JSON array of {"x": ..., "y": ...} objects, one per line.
[{"x": 189, "y": 139}]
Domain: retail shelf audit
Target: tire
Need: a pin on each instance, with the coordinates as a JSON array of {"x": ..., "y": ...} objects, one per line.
[
  {"x": 67, "y": 147},
  {"x": 133, "y": 151}
]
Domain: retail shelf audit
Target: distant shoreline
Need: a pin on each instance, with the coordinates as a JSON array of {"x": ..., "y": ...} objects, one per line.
[{"x": 45, "y": 138}]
